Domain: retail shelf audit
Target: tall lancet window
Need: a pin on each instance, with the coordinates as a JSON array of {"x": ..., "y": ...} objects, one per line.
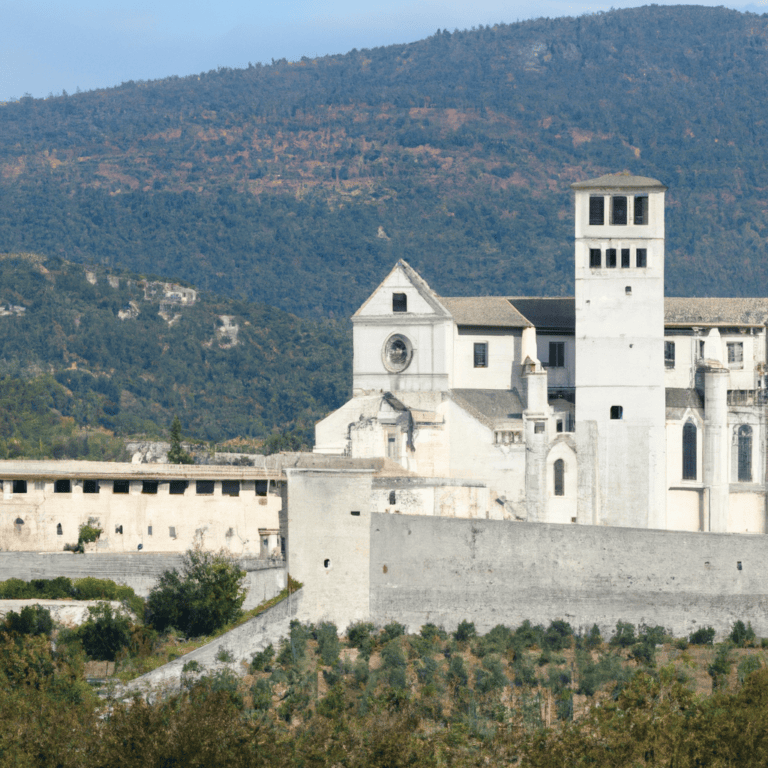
[
  {"x": 559, "y": 468},
  {"x": 745, "y": 454},
  {"x": 689, "y": 451}
]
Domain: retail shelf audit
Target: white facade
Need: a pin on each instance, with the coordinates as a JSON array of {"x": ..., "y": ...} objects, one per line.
[{"x": 618, "y": 407}]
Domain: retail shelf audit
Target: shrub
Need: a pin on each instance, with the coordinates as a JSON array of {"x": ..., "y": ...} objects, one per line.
[
  {"x": 16, "y": 589},
  {"x": 525, "y": 674},
  {"x": 224, "y": 655},
  {"x": 720, "y": 667},
  {"x": 328, "y": 643},
  {"x": 261, "y": 692},
  {"x": 105, "y": 633},
  {"x": 359, "y": 636},
  {"x": 465, "y": 631},
  {"x": 429, "y": 672},
  {"x": 594, "y": 639},
  {"x": 624, "y": 635},
  {"x": 643, "y": 652},
  {"x": 592, "y": 676},
  {"x": 746, "y": 667},
  {"x": 206, "y": 595},
  {"x": 293, "y": 648},
  {"x": 528, "y": 636},
  {"x": 457, "y": 674},
  {"x": 361, "y": 671},
  {"x": 499, "y": 640},
  {"x": 742, "y": 636},
  {"x": 703, "y": 636},
  {"x": 432, "y": 633},
  {"x": 490, "y": 677},
  {"x": 191, "y": 666},
  {"x": 33, "y": 620},
  {"x": 391, "y": 631},
  {"x": 262, "y": 660},
  {"x": 557, "y": 636}
]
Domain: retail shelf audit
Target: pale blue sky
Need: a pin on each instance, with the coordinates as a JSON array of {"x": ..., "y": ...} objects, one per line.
[{"x": 50, "y": 45}]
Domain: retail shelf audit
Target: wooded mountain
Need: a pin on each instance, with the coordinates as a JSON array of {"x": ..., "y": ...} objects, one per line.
[
  {"x": 228, "y": 368},
  {"x": 299, "y": 184}
]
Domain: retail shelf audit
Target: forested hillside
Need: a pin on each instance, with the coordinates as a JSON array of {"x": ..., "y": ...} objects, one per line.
[
  {"x": 227, "y": 368},
  {"x": 299, "y": 184}
]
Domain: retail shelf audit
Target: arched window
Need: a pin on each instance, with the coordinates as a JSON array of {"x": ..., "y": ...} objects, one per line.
[
  {"x": 559, "y": 477},
  {"x": 59, "y": 531},
  {"x": 689, "y": 451},
  {"x": 745, "y": 454}
]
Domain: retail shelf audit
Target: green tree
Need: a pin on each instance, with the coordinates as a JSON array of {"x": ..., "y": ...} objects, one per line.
[
  {"x": 205, "y": 595},
  {"x": 177, "y": 454},
  {"x": 105, "y": 633}
]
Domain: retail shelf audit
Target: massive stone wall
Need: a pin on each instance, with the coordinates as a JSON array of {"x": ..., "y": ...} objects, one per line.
[
  {"x": 430, "y": 569},
  {"x": 140, "y": 571}
]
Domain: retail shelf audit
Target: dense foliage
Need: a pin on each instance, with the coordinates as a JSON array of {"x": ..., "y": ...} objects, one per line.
[
  {"x": 203, "y": 596},
  {"x": 532, "y": 697},
  {"x": 300, "y": 183},
  {"x": 132, "y": 375}
]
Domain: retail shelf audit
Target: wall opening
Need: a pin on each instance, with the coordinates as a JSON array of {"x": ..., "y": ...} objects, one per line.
[
  {"x": 149, "y": 530},
  {"x": 392, "y": 497},
  {"x": 617, "y": 412},
  {"x": 399, "y": 302},
  {"x": 62, "y": 486},
  {"x": 559, "y": 472},
  {"x": 689, "y": 451},
  {"x": 738, "y": 565},
  {"x": 149, "y": 486},
  {"x": 745, "y": 453},
  {"x": 262, "y": 487},
  {"x": 355, "y": 513},
  {"x": 121, "y": 486},
  {"x": 204, "y": 487},
  {"x": 59, "y": 531},
  {"x": 327, "y": 562},
  {"x": 90, "y": 486},
  {"x": 19, "y": 486},
  {"x": 172, "y": 531},
  {"x": 119, "y": 529},
  {"x": 178, "y": 487},
  {"x": 230, "y": 487}
]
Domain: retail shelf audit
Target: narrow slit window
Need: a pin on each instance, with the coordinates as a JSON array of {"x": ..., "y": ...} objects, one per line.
[
  {"x": 559, "y": 469},
  {"x": 149, "y": 530},
  {"x": 355, "y": 513},
  {"x": 617, "y": 412},
  {"x": 481, "y": 355},
  {"x": 610, "y": 258},
  {"x": 641, "y": 258},
  {"x": 392, "y": 497},
  {"x": 625, "y": 258},
  {"x": 172, "y": 531},
  {"x": 689, "y": 451},
  {"x": 641, "y": 209},
  {"x": 595, "y": 258},
  {"x": 59, "y": 531},
  {"x": 596, "y": 210},
  {"x": 399, "y": 302},
  {"x": 619, "y": 210},
  {"x": 745, "y": 453},
  {"x": 669, "y": 354}
]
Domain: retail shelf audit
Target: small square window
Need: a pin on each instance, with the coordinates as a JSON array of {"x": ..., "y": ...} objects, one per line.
[
  {"x": 204, "y": 487},
  {"x": 596, "y": 210},
  {"x": 617, "y": 412},
  {"x": 595, "y": 258},
  {"x": 625, "y": 258},
  {"x": 119, "y": 529},
  {"x": 62, "y": 486},
  {"x": 399, "y": 302},
  {"x": 619, "y": 210},
  {"x": 230, "y": 487},
  {"x": 539, "y": 427},
  {"x": 262, "y": 486},
  {"x": 19, "y": 486},
  {"x": 610, "y": 258},
  {"x": 90, "y": 486},
  {"x": 641, "y": 209},
  {"x": 121, "y": 486},
  {"x": 149, "y": 486},
  {"x": 556, "y": 354},
  {"x": 641, "y": 258},
  {"x": 628, "y": 290},
  {"x": 481, "y": 355},
  {"x": 177, "y": 487}
]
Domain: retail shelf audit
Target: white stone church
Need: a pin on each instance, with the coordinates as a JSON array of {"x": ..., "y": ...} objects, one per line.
[{"x": 617, "y": 407}]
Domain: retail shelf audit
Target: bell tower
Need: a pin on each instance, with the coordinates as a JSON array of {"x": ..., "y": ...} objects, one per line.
[{"x": 620, "y": 398}]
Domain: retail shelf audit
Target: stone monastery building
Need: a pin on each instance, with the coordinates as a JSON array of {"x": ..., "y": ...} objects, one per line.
[{"x": 618, "y": 407}]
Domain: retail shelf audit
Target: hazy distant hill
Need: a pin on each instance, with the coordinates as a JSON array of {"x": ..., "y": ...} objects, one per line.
[
  {"x": 300, "y": 184},
  {"x": 226, "y": 367}
]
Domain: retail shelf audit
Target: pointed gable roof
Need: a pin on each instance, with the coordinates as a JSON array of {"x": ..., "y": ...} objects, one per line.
[{"x": 402, "y": 271}]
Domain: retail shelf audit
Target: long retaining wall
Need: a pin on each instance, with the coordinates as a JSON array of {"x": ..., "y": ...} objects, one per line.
[
  {"x": 264, "y": 579},
  {"x": 444, "y": 570}
]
